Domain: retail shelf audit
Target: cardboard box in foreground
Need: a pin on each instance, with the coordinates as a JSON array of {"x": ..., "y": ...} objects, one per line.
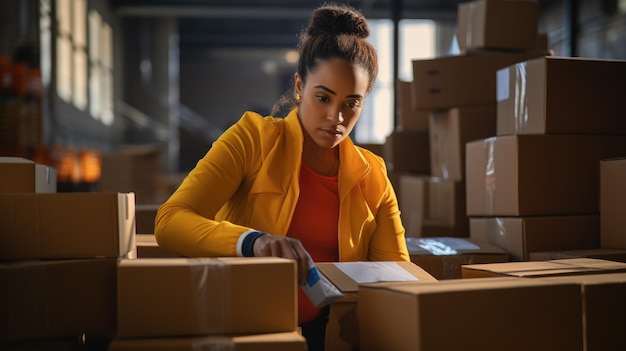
[
  {"x": 67, "y": 225},
  {"x": 471, "y": 314},
  {"x": 160, "y": 297}
]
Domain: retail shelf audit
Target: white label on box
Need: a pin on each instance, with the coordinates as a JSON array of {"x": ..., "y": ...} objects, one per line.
[
  {"x": 372, "y": 272},
  {"x": 502, "y": 84}
]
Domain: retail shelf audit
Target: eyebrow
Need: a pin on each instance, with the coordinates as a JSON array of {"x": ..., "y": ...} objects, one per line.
[{"x": 330, "y": 91}]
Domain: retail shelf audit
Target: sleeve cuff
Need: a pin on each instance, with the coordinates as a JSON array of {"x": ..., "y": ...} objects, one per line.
[{"x": 245, "y": 243}]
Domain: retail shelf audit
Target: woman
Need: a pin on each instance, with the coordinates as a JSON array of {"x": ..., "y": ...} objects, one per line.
[{"x": 296, "y": 187}]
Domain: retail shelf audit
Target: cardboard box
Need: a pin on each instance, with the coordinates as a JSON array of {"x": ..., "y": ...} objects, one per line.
[
  {"x": 147, "y": 247},
  {"x": 47, "y": 299},
  {"x": 19, "y": 175},
  {"x": 407, "y": 151},
  {"x": 145, "y": 215},
  {"x": 133, "y": 169},
  {"x": 527, "y": 175},
  {"x": 604, "y": 254},
  {"x": 460, "y": 80},
  {"x": 450, "y": 130},
  {"x": 603, "y": 300},
  {"x": 291, "y": 341},
  {"x": 66, "y": 225},
  {"x": 446, "y": 201},
  {"x": 432, "y": 203},
  {"x": 409, "y": 118},
  {"x": 413, "y": 202},
  {"x": 202, "y": 296},
  {"x": 522, "y": 236},
  {"x": 471, "y": 314},
  {"x": 537, "y": 269},
  {"x": 342, "y": 330},
  {"x": 562, "y": 95},
  {"x": 500, "y": 25},
  {"x": 613, "y": 203},
  {"x": 443, "y": 257}
]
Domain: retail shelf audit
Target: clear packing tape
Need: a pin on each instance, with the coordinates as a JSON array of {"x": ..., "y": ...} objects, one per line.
[
  {"x": 490, "y": 174},
  {"x": 512, "y": 90}
]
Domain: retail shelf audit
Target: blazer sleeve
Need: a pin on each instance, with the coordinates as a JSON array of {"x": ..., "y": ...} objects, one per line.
[{"x": 186, "y": 223}]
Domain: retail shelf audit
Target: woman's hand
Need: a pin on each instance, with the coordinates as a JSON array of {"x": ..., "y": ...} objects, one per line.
[{"x": 282, "y": 246}]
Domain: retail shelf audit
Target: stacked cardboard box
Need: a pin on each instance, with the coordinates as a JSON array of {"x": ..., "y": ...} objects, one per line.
[
  {"x": 602, "y": 284},
  {"x": 187, "y": 302},
  {"x": 443, "y": 257},
  {"x": 471, "y": 314},
  {"x": 457, "y": 96},
  {"x": 534, "y": 187},
  {"x": 133, "y": 169},
  {"x": 59, "y": 254},
  {"x": 504, "y": 305}
]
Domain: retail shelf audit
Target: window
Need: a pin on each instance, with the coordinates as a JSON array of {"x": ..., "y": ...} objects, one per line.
[
  {"x": 84, "y": 67},
  {"x": 416, "y": 39}
]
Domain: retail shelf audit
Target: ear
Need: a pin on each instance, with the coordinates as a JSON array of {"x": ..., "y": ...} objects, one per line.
[{"x": 297, "y": 84}]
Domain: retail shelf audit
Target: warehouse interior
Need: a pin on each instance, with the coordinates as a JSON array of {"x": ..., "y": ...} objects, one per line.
[
  {"x": 114, "y": 102},
  {"x": 180, "y": 68}
]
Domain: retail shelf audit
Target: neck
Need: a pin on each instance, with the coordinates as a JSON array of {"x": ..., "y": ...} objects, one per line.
[{"x": 322, "y": 161}]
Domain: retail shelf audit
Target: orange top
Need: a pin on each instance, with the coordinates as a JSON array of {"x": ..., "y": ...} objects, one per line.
[{"x": 315, "y": 223}]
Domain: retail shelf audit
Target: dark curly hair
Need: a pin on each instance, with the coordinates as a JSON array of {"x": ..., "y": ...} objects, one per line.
[{"x": 334, "y": 31}]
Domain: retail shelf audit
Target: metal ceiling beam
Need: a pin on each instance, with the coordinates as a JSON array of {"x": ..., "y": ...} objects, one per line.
[{"x": 442, "y": 12}]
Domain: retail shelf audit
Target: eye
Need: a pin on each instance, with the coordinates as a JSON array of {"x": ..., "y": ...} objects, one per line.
[
  {"x": 353, "y": 104},
  {"x": 322, "y": 98}
]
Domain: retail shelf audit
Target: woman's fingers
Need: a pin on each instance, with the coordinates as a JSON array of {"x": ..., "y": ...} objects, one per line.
[{"x": 282, "y": 246}]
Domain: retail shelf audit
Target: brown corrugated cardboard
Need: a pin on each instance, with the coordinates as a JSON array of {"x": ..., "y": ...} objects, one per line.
[
  {"x": 66, "y": 225},
  {"x": 412, "y": 202},
  {"x": 617, "y": 255},
  {"x": 145, "y": 215},
  {"x": 147, "y": 247},
  {"x": 562, "y": 95},
  {"x": 19, "y": 175},
  {"x": 521, "y": 236},
  {"x": 432, "y": 203},
  {"x": 407, "y": 151},
  {"x": 496, "y": 24},
  {"x": 527, "y": 175},
  {"x": 459, "y": 80},
  {"x": 536, "y": 269},
  {"x": 603, "y": 301},
  {"x": 47, "y": 299},
  {"x": 132, "y": 169},
  {"x": 443, "y": 257},
  {"x": 292, "y": 341},
  {"x": 202, "y": 296},
  {"x": 445, "y": 207},
  {"x": 613, "y": 203},
  {"x": 409, "y": 118},
  {"x": 475, "y": 314},
  {"x": 450, "y": 130}
]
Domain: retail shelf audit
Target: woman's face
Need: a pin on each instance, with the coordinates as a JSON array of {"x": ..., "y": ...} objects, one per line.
[{"x": 331, "y": 101}]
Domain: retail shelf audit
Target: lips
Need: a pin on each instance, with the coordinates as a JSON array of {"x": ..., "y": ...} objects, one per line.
[{"x": 333, "y": 132}]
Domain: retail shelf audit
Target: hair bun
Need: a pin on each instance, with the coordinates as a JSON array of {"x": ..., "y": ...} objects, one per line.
[{"x": 338, "y": 19}]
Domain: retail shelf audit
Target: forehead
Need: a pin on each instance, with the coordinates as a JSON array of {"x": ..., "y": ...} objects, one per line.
[{"x": 339, "y": 75}]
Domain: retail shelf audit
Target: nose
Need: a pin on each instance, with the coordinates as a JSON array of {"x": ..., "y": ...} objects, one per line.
[{"x": 335, "y": 115}]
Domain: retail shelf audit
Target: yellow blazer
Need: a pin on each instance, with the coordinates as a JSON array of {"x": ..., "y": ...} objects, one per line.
[{"x": 249, "y": 180}]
